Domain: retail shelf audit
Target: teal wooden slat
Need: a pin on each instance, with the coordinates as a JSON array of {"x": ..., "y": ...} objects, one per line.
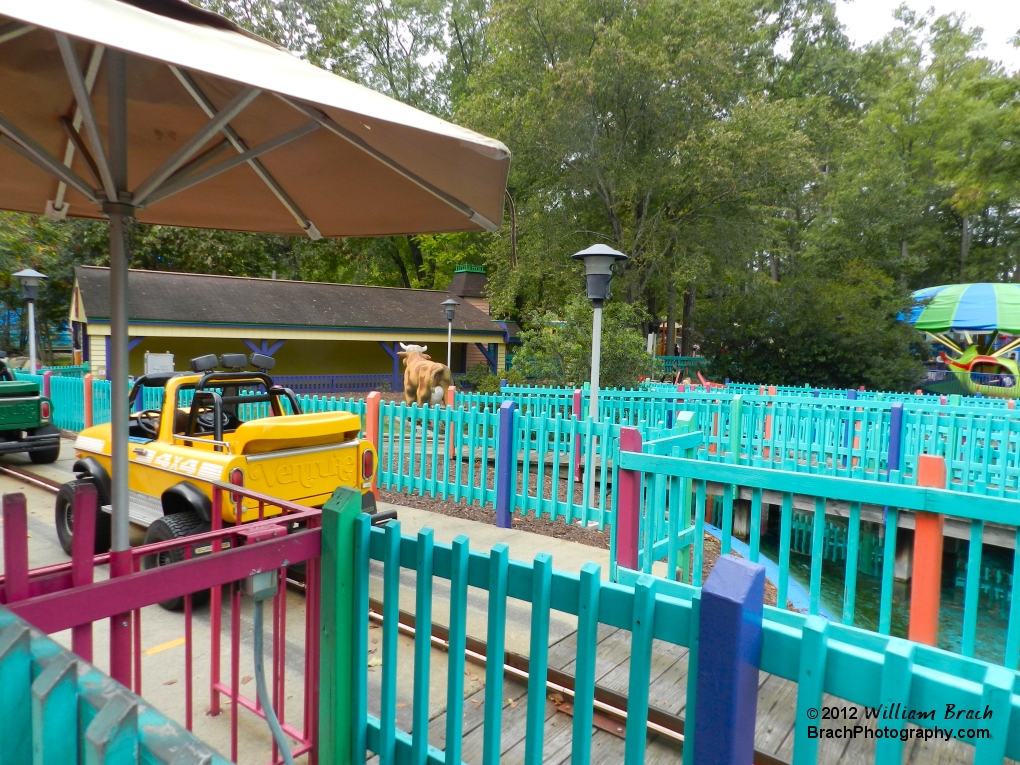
[
  {"x": 457, "y": 642},
  {"x": 727, "y": 519},
  {"x": 996, "y": 694},
  {"x": 495, "y": 648},
  {"x": 691, "y": 709},
  {"x": 16, "y": 695},
  {"x": 972, "y": 590},
  {"x": 359, "y": 658},
  {"x": 422, "y": 647},
  {"x": 55, "y": 713},
  {"x": 755, "y": 537},
  {"x": 640, "y": 666},
  {"x": 892, "y": 520},
  {"x": 897, "y": 675},
  {"x": 584, "y": 667},
  {"x": 810, "y": 685},
  {"x": 817, "y": 537},
  {"x": 785, "y": 523},
  {"x": 1013, "y": 630},
  {"x": 852, "y": 556},
  {"x": 699, "y": 530},
  {"x": 391, "y": 616},
  {"x": 112, "y": 736},
  {"x": 541, "y": 595}
]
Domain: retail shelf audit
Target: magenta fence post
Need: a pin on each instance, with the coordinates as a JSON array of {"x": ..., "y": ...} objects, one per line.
[
  {"x": 46, "y": 383},
  {"x": 83, "y": 511},
  {"x": 578, "y": 403},
  {"x": 15, "y": 516},
  {"x": 628, "y": 511},
  {"x": 729, "y": 654},
  {"x": 506, "y": 465}
]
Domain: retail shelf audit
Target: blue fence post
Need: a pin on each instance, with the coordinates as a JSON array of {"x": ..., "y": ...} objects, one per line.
[
  {"x": 506, "y": 464},
  {"x": 729, "y": 653}
]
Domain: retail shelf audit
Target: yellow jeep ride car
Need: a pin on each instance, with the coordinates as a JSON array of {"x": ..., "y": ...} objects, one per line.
[{"x": 233, "y": 426}]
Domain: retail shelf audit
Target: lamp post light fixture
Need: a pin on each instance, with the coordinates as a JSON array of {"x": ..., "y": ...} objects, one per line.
[
  {"x": 598, "y": 270},
  {"x": 29, "y": 279},
  {"x": 450, "y": 308}
]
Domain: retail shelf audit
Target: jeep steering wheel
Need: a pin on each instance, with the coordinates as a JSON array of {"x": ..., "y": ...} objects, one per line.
[
  {"x": 207, "y": 420},
  {"x": 148, "y": 421}
]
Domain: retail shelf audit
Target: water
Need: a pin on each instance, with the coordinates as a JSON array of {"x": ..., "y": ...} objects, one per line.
[{"x": 990, "y": 636}]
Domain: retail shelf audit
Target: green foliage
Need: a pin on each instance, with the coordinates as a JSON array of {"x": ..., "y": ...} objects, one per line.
[
  {"x": 483, "y": 381},
  {"x": 828, "y": 333},
  {"x": 727, "y": 146},
  {"x": 557, "y": 349}
]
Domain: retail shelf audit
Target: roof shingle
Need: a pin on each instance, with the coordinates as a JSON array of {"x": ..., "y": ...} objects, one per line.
[{"x": 178, "y": 298}]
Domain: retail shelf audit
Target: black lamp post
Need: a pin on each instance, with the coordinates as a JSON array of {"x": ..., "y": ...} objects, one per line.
[
  {"x": 450, "y": 308},
  {"x": 29, "y": 279},
  {"x": 598, "y": 270}
]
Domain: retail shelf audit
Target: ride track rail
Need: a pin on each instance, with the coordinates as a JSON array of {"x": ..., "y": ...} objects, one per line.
[{"x": 610, "y": 705}]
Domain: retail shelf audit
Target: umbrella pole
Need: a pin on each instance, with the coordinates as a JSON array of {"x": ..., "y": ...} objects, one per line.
[{"x": 117, "y": 364}]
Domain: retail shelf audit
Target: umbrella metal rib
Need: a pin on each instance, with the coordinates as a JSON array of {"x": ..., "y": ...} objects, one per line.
[
  {"x": 234, "y": 107},
  {"x": 260, "y": 170},
  {"x": 328, "y": 123},
  {"x": 13, "y": 31},
  {"x": 56, "y": 209},
  {"x": 173, "y": 187},
  {"x": 13, "y": 137},
  {"x": 84, "y": 101}
]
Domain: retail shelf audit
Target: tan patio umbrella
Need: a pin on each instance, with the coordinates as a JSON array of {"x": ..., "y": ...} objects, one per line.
[{"x": 158, "y": 110}]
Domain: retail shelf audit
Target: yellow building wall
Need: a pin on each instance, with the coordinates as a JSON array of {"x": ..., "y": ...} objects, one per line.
[{"x": 294, "y": 357}]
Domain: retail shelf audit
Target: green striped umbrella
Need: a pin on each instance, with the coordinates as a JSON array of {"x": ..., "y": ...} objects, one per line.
[{"x": 973, "y": 308}]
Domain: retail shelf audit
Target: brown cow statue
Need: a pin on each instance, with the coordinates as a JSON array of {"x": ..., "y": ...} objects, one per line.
[{"x": 425, "y": 380}]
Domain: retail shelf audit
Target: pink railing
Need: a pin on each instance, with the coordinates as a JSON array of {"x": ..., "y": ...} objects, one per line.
[{"x": 65, "y": 596}]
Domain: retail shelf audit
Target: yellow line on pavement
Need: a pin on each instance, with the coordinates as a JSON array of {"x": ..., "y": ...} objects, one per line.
[{"x": 163, "y": 646}]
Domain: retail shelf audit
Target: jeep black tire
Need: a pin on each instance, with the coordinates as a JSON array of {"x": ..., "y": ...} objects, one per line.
[
  {"x": 64, "y": 520},
  {"x": 45, "y": 456},
  {"x": 167, "y": 528}
]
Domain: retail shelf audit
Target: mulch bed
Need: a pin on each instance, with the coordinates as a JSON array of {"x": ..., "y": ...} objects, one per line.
[{"x": 555, "y": 529}]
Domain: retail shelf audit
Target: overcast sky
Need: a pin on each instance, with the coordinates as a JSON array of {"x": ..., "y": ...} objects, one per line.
[{"x": 869, "y": 20}]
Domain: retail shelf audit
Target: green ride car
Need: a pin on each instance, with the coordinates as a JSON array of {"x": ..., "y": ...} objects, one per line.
[{"x": 25, "y": 416}]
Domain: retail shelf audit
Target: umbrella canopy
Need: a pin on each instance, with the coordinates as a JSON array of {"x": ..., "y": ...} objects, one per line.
[
  {"x": 223, "y": 130},
  {"x": 975, "y": 308},
  {"x": 157, "y": 110}
]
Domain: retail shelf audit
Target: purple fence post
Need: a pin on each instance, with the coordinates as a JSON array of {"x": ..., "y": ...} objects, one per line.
[
  {"x": 628, "y": 511},
  {"x": 46, "y": 383},
  {"x": 578, "y": 408},
  {"x": 729, "y": 653},
  {"x": 506, "y": 464},
  {"x": 15, "y": 531}
]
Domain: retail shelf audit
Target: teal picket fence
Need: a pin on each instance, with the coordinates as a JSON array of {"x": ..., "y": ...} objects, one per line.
[
  {"x": 442, "y": 452},
  {"x": 37, "y": 378},
  {"x": 57, "y": 708},
  {"x": 78, "y": 371},
  {"x": 68, "y": 399},
  {"x": 549, "y": 454},
  {"x": 820, "y": 657},
  {"x": 686, "y": 365},
  {"x": 535, "y": 400},
  {"x": 101, "y": 396},
  {"x": 675, "y": 506}
]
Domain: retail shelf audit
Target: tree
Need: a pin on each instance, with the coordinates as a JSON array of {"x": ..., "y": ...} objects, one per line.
[
  {"x": 557, "y": 348},
  {"x": 818, "y": 332}
]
